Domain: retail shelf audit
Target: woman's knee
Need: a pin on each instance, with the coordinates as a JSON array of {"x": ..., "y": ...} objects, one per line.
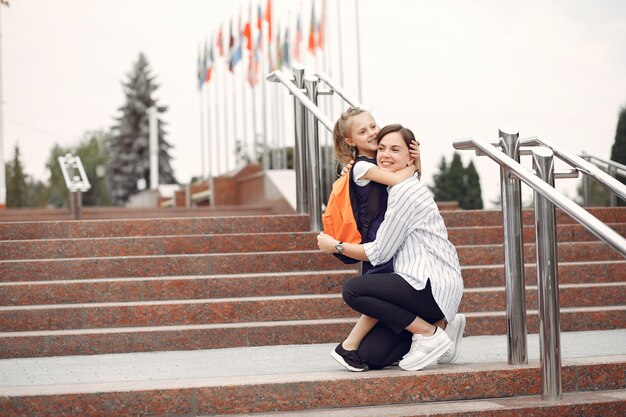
[{"x": 350, "y": 291}]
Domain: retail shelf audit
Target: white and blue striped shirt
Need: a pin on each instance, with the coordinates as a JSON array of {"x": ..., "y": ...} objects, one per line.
[{"x": 414, "y": 234}]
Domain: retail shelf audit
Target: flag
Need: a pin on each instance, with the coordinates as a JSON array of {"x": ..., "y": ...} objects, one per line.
[
  {"x": 200, "y": 68},
  {"x": 209, "y": 60},
  {"x": 247, "y": 33},
  {"x": 312, "y": 29},
  {"x": 321, "y": 26},
  {"x": 235, "y": 47},
  {"x": 268, "y": 19},
  {"x": 286, "y": 58},
  {"x": 279, "y": 61},
  {"x": 298, "y": 40},
  {"x": 259, "y": 25},
  {"x": 220, "y": 42}
]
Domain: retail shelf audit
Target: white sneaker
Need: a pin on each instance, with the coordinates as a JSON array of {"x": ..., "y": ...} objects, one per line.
[
  {"x": 425, "y": 350},
  {"x": 454, "y": 330}
]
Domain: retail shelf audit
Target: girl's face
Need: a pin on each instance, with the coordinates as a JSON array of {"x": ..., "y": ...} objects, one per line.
[
  {"x": 393, "y": 154},
  {"x": 362, "y": 131}
]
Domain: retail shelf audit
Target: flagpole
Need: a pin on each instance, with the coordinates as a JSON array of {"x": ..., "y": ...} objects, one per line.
[
  {"x": 358, "y": 48},
  {"x": 264, "y": 65},
  {"x": 225, "y": 96},
  {"x": 217, "y": 124},
  {"x": 3, "y": 183},
  {"x": 201, "y": 132},
  {"x": 339, "y": 44},
  {"x": 208, "y": 131}
]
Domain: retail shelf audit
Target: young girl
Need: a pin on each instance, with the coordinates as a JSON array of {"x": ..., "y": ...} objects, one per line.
[{"x": 355, "y": 139}]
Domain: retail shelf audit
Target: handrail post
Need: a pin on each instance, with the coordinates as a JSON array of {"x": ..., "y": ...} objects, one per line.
[
  {"x": 513, "y": 253},
  {"x": 586, "y": 185},
  {"x": 612, "y": 171},
  {"x": 313, "y": 171},
  {"x": 547, "y": 282},
  {"x": 299, "y": 158}
]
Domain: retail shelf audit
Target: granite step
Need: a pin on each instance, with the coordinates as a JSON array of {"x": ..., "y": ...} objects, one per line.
[
  {"x": 280, "y": 379},
  {"x": 606, "y": 403},
  {"x": 278, "y": 261},
  {"x": 152, "y": 266},
  {"x": 152, "y": 227},
  {"x": 100, "y": 290},
  {"x": 256, "y": 309},
  {"x": 214, "y": 336},
  {"x": 244, "y": 224},
  {"x": 240, "y": 242}
]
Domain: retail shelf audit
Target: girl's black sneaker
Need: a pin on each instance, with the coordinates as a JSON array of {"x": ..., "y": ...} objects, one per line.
[{"x": 349, "y": 359}]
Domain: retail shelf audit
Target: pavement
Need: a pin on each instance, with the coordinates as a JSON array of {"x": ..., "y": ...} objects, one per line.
[{"x": 36, "y": 374}]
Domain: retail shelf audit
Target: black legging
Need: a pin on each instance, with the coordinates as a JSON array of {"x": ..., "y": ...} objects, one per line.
[{"x": 395, "y": 303}]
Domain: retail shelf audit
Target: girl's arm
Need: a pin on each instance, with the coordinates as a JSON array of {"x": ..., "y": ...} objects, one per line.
[{"x": 388, "y": 178}]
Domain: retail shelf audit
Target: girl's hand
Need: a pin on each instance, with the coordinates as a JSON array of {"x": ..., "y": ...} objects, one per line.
[
  {"x": 414, "y": 151},
  {"x": 347, "y": 168},
  {"x": 326, "y": 243}
]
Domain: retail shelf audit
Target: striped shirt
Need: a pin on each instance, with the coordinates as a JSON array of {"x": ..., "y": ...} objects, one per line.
[{"x": 414, "y": 234}]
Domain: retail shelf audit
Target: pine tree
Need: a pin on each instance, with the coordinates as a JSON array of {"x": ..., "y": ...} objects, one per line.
[
  {"x": 618, "y": 151},
  {"x": 455, "y": 182},
  {"x": 56, "y": 192},
  {"x": 472, "y": 199},
  {"x": 92, "y": 153},
  {"x": 17, "y": 190},
  {"x": 129, "y": 146}
]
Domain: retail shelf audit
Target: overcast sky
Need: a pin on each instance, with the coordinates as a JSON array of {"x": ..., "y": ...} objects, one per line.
[{"x": 446, "y": 69}]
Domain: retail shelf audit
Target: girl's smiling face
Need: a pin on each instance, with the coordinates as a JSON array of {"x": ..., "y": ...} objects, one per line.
[
  {"x": 393, "y": 153},
  {"x": 362, "y": 131}
]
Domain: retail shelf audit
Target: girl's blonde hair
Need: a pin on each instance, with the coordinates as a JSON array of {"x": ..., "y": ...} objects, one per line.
[{"x": 343, "y": 151}]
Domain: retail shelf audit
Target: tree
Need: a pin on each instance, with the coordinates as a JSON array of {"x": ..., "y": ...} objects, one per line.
[
  {"x": 458, "y": 183},
  {"x": 472, "y": 198},
  {"x": 129, "y": 145},
  {"x": 92, "y": 152},
  {"x": 17, "y": 190},
  {"x": 618, "y": 151},
  {"x": 56, "y": 192}
]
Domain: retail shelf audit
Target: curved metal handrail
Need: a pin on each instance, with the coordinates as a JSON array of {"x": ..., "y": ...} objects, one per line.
[
  {"x": 281, "y": 77},
  {"x": 337, "y": 89},
  {"x": 581, "y": 215},
  {"x": 619, "y": 168},
  {"x": 579, "y": 163}
]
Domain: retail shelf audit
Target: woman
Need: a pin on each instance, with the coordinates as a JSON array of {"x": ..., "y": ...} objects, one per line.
[{"x": 414, "y": 303}]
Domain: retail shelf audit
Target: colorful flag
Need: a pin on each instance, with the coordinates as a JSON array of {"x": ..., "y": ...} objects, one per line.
[
  {"x": 312, "y": 29},
  {"x": 220, "y": 42},
  {"x": 247, "y": 33},
  {"x": 286, "y": 58},
  {"x": 268, "y": 18},
  {"x": 235, "y": 47},
  {"x": 298, "y": 40},
  {"x": 321, "y": 26},
  {"x": 200, "y": 68},
  {"x": 209, "y": 60},
  {"x": 259, "y": 25}
]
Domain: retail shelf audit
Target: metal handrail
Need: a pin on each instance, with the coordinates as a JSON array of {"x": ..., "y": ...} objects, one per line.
[
  {"x": 579, "y": 163},
  {"x": 281, "y": 77},
  {"x": 337, "y": 89},
  {"x": 619, "y": 168},
  {"x": 590, "y": 222}
]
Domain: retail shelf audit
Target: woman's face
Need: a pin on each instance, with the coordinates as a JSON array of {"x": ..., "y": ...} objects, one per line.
[{"x": 393, "y": 154}]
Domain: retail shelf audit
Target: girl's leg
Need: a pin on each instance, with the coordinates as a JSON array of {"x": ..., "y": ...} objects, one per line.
[
  {"x": 359, "y": 331},
  {"x": 382, "y": 346}
]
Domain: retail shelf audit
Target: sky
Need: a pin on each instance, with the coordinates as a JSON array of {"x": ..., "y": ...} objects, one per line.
[{"x": 449, "y": 69}]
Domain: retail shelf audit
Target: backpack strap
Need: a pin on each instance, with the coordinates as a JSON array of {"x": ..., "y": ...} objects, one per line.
[{"x": 373, "y": 205}]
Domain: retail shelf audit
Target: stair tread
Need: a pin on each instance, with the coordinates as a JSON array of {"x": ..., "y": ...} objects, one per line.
[{"x": 268, "y": 364}]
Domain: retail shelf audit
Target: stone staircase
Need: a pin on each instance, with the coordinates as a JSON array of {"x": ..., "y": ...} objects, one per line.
[{"x": 186, "y": 284}]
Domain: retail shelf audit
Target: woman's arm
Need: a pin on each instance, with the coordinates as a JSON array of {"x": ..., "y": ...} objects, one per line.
[{"x": 328, "y": 244}]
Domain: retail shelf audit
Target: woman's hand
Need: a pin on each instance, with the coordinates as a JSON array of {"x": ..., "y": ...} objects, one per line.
[
  {"x": 347, "y": 168},
  {"x": 414, "y": 151},
  {"x": 326, "y": 243}
]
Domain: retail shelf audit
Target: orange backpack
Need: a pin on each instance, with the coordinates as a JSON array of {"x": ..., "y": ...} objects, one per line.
[{"x": 338, "y": 218}]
